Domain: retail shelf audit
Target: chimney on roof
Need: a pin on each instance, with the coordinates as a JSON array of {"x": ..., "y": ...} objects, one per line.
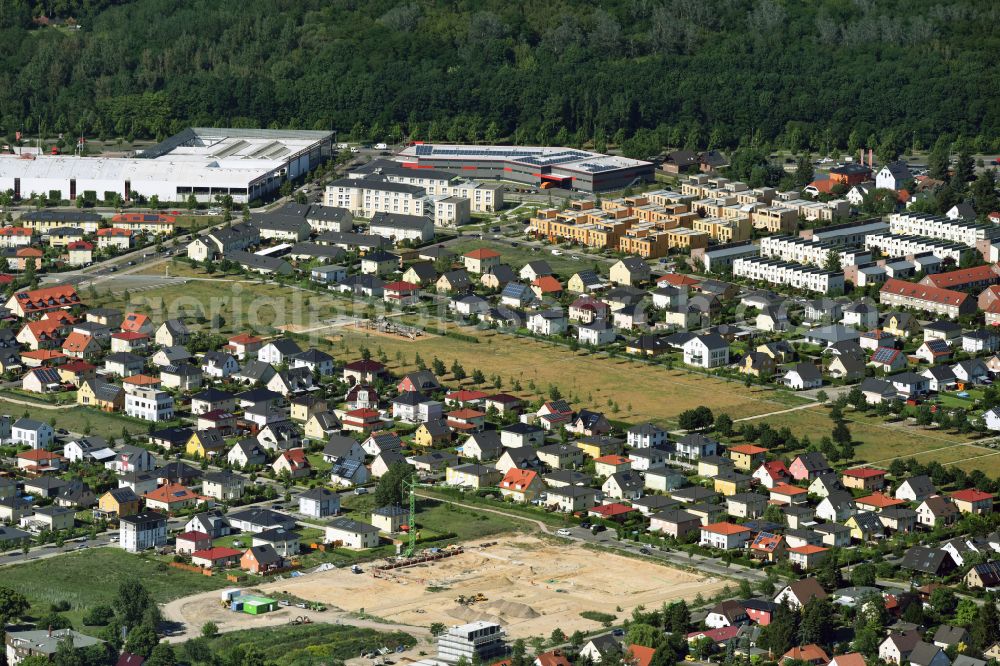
[
  {"x": 50, "y": 631},
  {"x": 861, "y": 156},
  {"x": 871, "y": 158}
]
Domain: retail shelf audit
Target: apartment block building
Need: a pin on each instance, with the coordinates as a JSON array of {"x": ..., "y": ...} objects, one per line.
[
  {"x": 792, "y": 248},
  {"x": 683, "y": 238},
  {"x": 775, "y": 219},
  {"x": 731, "y": 230},
  {"x": 592, "y": 228},
  {"x": 776, "y": 272},
  {"x": 821, "y": 211},
  {"x": 896, "y": 245},
  {"x": 451, "y": 210},
  {"x": 720, "y": 258},
  {"x": 939, "y": 227},
  {"x": 942, "y": 302},
  {"x": 366, "y": 196},
  {"x": 848, "y": 233},
  {"x": 483, "y": 197},
  {"x": 646, "y": 241}
]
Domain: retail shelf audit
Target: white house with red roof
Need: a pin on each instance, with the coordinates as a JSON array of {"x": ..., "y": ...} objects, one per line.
[
  {"x": 401, "y": 293},
  {"x": 294, "y": 462},
  {"x": 972, "y": 500},
  {"x": 188, "y": 542},
  {"x": 724, "y": 536},
  {"x": 522, "y": 485},
  {"x": 772, "y": 473}
]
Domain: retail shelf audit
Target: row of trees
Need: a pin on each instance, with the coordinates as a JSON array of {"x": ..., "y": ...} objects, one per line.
[{"x": 622, "y": 72}]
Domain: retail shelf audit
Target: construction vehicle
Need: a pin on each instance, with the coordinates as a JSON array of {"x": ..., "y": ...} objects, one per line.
[
  {"x": 301, "y": 619},
  {"x": 480, "y": 597},
  {"x": 356, "y": 569}
]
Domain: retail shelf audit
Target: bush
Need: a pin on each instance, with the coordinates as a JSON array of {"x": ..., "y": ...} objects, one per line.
[
  {"x": 98, "y": 616},
  {"x": 598, "y": 616}
]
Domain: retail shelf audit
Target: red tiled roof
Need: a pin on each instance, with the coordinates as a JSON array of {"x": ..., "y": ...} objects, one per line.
[
  {"x": 613, "y": 459},
  {"x": 482, "y": 253},
  {"x": 864, "y": 472},
  {"x": 47, "y": 298},
  {"x": 923, "y": 292},
  {"x": 971, "y": 495},
  {"x": 811, "y": 652},
  {"x": 725, "y": 528},
  {"x": 466, "y": 414},
  {"x": 465, "y": 395},
  {"x": 38, "y": 455},
  {"x": 879, "y": 500},
  {"x": 824, "y": 185},
  {"x": 518, "y": 479},
  {"x": 217, "y": 553},
  {"x": 193, "y": 535},
  {"x": 114, "y": 231},
  {"x": 748, "y": 449},
  {"x": 641, "y": 655},
  {"x": 547, "y": 284},
  {"x": 807, "y": 549},
  {"x": 962, "y": 277},
  {"x": 609, "y": 510},
  {"x": 170, "y": 494},
  {"x": 78, "y": 366},
  {"x": 401, "y": 285},
  {"x": 788, "y": 489},
  {"x": 677, "y": 280}
]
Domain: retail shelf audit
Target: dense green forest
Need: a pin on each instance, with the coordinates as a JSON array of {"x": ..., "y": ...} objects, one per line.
[{"x": 798, "y": 74}]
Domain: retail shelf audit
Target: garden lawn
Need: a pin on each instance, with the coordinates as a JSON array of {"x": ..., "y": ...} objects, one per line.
[
  {"x": 308, "y": 645},
  {"x": 76, "y": 419},
  {"x": 91, "y": 577}
]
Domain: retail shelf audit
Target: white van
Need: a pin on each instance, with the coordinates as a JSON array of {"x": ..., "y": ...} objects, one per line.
[{"x": 380, "y": 146}]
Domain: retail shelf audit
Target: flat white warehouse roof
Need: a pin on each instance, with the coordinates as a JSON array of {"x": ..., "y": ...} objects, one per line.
[
  {"x": 65, "y": 168},
  {"x": 195, "y": 157}
]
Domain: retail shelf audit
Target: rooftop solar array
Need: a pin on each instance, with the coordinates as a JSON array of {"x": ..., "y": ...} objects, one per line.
[{"x": 542, "y": 156}]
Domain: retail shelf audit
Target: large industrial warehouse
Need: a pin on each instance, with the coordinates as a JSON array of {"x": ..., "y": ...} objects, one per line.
[
  {"x": 246, "y": 164},
  {"x": 566, "y": 168}
]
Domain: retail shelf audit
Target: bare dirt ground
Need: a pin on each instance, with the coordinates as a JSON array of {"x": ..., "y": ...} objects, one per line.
[{"x": 533, "y": 585}]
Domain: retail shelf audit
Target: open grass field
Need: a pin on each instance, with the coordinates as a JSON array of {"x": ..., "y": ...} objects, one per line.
[
  {"x": 878, "y": 442},
  {"x": 75, "y": 419},
  {"x": 91, "y": 577},
  {"x": 641, "y": 392}
]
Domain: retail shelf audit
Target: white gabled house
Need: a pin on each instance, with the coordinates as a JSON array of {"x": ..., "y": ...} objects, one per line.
[{"x": 706, "y": 351}]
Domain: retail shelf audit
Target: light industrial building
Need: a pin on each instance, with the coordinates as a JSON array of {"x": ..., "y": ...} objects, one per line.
[
  {"x": 567, "y": 168},
  {"x": 242, "y": 163}
]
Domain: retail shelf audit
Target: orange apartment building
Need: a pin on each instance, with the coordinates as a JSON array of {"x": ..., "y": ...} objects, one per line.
[
  {"x": 592, "y": 229},
  {"x": 725, "y": 230},
  {"x": 775, "y": 220}
]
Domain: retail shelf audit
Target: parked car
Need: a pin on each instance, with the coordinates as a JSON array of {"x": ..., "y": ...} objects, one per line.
[{"x": 563, "y": 532}]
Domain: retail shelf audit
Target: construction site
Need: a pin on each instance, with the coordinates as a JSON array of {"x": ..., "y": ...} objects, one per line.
[{"x": 529, "y": 584}]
